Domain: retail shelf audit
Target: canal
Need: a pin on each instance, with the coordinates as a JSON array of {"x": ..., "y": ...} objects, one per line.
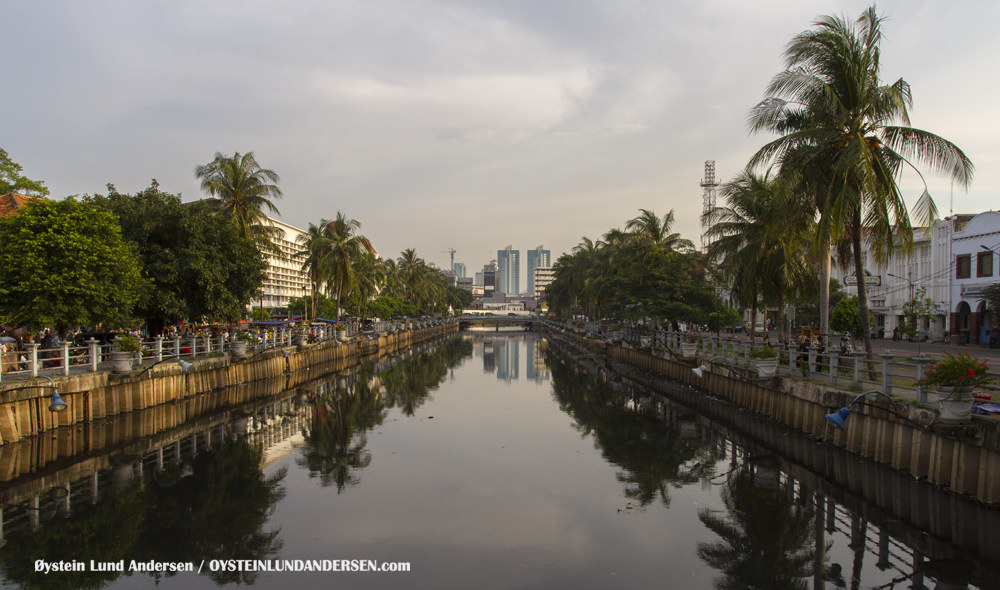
[{"x": 490, "y": 460}]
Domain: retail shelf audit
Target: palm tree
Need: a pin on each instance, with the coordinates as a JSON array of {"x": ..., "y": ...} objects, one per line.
[
  {"x": 650, "y": 228},
  {"x": 346, "y": 245},
  {"x": 244, "y": 191},
  {"x": 761, "y": 235},
  {"x": 840, "y": 122},
  {"x": 316, "y": 245}
]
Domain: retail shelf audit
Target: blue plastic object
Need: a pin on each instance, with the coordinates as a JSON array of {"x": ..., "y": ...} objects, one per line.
[{"x": 838, "y": 417}]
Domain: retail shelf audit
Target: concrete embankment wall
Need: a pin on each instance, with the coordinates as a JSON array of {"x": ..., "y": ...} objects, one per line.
[
  {"x": 965, "y": 459},
  {"x": 93, "y": 397}
]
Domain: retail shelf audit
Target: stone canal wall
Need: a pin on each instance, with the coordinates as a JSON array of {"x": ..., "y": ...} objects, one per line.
[
  {"x": 965, "y": 459},
  {"x": 93, "y": 397}
]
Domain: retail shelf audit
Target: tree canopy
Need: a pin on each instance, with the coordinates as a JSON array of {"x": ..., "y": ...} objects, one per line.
[
  {"x": 199, "y": 265},
  {"x": 11, "y": 179},
  {"x": 65, "y": 264}
]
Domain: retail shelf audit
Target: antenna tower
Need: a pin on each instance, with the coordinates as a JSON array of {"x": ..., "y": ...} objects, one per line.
[{"x": 708, "y": 187}]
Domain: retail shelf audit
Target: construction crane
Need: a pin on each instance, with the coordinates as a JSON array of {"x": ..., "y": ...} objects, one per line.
[{"x": 452, "y": 252}]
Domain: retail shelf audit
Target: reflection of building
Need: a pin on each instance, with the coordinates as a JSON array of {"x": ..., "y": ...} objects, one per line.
[
  {"x": 509, "y": 271},
  {"x": 536, "y": 369},
  {"x": 489, "y": 359},
  {"x": 537, "y": 258},
  {"x": 508, "y": 355}
]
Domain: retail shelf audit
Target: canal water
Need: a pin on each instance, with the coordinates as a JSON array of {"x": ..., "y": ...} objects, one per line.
[{"x": 481, "y": 461}]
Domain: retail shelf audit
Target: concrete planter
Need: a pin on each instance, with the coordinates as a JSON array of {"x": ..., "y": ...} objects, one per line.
[
  {"x": 122, "y": 362},
  {"x": 239, "y": 347},
  {"x": 342, "y": 335},
  {"x": 767, "y": 368},
  {"x": 689, "y": 349},
  {"x": 955, "y": 404}
]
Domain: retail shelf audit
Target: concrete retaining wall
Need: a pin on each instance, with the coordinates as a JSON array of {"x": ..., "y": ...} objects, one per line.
[
  {"x": 965, "y": 459},
  {"x": 92, "y": 397}
]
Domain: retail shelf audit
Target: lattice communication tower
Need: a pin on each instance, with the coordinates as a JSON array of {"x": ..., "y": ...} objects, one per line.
[{"x": 708, "y": 187}]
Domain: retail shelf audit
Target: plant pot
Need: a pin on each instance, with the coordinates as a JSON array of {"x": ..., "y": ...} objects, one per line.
[
  {"x": 122, "y": 362},
  {"x": 689, "y": 349},
  {"x": 955, "y": 404},
  {"x": 342, "y": 335},
  {"x": 239, "y": 347},
  {"x": 767, "y": 368}
]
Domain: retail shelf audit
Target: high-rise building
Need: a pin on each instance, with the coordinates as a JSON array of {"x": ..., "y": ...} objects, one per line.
[
  {"x": 490, "y": 277},
  {"x": 536, "y": 258},
  {"x": 459, "y": 268},
  {"x": 285, "y": 277},
  {"x": 509, "y": 271}
]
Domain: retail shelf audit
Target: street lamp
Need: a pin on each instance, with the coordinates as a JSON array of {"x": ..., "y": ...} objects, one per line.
[
  {"x": 57, "y": 404},
  {"x": 837, "y": 418},
  {"x": 305, "y": 310},
  {"x": 701, "y": 370},
  {"x": 911, "y": 283},
  {"x": 185, "y": 366}
]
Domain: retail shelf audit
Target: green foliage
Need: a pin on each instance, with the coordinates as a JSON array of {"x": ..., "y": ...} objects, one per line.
[
  {"x": 459, "y": 298},
  {"x": 958, "y": 370},
  {"x": 991, "y": 295},
  {"x": 128, "y": 343},
  {"x": 259, "y": 314},
  {"x": 807, "y": 308},
  {"x": 199, "y": 265},
  {"x": 325, "y": 307},
  {"x": 846, "y": 317},
  {"x": 920, "y": 307},
  {"x": 11, "y": 179},
  {"x": 65, "y": 263},
  {"x": 765, "y": 352}
]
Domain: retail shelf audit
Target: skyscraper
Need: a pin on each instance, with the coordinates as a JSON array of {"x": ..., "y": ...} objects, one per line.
[
  {"x": 536, "y": 258},
  {"x": 459, "y": 268},
  {"x": 509, "y": 271}
]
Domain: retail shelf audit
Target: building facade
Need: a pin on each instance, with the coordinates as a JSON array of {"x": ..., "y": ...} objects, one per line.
[
  {"x": 459, "y": 268},
  {"x": 490, "y": 278},
  {"x": 509, "y": 270},
  {"x": 537, "y": 258},
  {"x": 285, "y": 277},
  {"x": 542, "y": 277}
]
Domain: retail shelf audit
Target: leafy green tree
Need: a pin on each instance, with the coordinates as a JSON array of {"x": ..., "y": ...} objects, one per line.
[
  {"x": 840, "y": 123},
  {"x": 259, "y": 314},
  {"x": 200, "y": 265},
  {"x": 11, "y": 179},
  {"x": 991, "y": 295},
  {"x": 920, "y": 308},
  {"x": 846, "y": 317},
  {"x": 65, "y": 263}
]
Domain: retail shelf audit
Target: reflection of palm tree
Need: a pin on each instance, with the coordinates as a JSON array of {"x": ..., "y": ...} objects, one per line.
[
  {"x": 766, "y": 541},
  {"x": 651, "y": 455},
  {"x": 335, "y": 448}
]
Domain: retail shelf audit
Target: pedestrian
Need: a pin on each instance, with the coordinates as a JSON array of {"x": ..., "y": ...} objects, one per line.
[{"x": 895, "y": 334}]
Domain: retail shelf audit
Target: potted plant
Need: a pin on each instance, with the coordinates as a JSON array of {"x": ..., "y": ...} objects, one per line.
[
  {"x": 767, "y": 361},
  {"x": 954, "y": 378},
  {"x": 126, "y": 348},
  {"x": 241, "y": 341},
  {"x": 341, "y": 330},
  {"x": 689, "y": 347}
]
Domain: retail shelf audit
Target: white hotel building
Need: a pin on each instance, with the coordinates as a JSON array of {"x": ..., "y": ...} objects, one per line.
[{"x": 285, "y": 278}]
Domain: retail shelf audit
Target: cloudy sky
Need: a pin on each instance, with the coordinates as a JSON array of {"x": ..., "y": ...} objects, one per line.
[{"x": 466, "y": 123}]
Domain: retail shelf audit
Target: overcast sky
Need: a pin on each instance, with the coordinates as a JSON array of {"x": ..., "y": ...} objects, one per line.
[{"x": 465, "y": 124}]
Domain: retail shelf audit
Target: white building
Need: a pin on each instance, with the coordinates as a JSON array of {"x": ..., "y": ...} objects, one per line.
[
  {"x": 285, "y": 278},
  {"x": 543, "y": 276},
  {"x": 949, "y": 261}
]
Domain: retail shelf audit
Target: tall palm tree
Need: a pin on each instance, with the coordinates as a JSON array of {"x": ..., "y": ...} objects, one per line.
[
  {"x": 244, "y": 191},
  {"x": 316, "y": 245},
  {"x": 345, "y": 246},
  {"x": 840, "y": 121}
]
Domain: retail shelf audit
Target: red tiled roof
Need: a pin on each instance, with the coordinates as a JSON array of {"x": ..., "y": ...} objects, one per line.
[{"x": 12, "y": 202}]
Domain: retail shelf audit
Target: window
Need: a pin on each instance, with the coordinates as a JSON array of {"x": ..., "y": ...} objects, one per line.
[
  {"x": 984, "y": 264},
  {"x": 963, "y": 266}
]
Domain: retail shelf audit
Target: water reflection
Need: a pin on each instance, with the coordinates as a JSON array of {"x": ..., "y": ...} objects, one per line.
[
  {"x": 345, "y": 409},
  {"x": 214, "y": 507},
  {"x": 766, "y": 540},
  {"x": 651, "y": 455}
]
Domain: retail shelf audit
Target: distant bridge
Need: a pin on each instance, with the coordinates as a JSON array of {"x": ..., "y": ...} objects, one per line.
[{"x": 466, "y": 321}]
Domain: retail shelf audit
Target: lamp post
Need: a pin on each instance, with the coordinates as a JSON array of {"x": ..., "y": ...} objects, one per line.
[
  {"x": 837, "y": 418},
  {"x": 305, "y": 310},
  {"x": 185, "y": 366},
  {"x": 701, "y": 370},
  {"x": 911, "y": 283},
  {"x": 56, "y": 405}
]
